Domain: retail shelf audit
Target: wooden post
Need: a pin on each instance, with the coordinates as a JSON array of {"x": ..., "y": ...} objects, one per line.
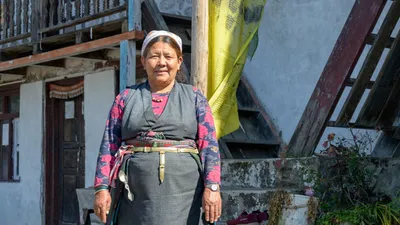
[
  {"x": 199, "y": 63},
  {"x": 127, "y": 75}
]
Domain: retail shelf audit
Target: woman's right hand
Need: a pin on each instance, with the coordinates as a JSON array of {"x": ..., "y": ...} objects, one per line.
[{"x": 102, "y": 204}]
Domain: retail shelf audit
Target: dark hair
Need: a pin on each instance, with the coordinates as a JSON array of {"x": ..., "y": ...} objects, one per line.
[{"x": 165, "y": 39}]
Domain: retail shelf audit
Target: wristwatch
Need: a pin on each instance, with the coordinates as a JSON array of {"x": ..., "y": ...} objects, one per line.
[{"x": 213, "y": 187}]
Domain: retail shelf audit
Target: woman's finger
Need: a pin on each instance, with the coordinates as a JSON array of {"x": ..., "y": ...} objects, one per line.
[
  {"x": 212, "y": 213},
  {"x": 217, "y": 211},
  {"x": 219, "y": 208},
  {"x": 101, "y": 214},
  {"x": 207, "y": 212}
]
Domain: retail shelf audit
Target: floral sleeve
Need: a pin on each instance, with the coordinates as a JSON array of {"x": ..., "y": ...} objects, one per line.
[
  {"x": 111, "y": 142},
  {"x": 207, "y": 141}
]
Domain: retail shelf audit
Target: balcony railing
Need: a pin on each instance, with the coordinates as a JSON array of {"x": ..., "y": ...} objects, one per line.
[{"x": 21, "y": 19}]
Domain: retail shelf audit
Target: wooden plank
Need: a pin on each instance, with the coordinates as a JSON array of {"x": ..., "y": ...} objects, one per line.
[
  {"x": 81, "y": 37},
  {"x": 127, "y": 73},
  {"x": 338, "y": 69},
  {"x": 71, "y": 50},
  {"x": 68, "y": 10},
  {"x": 354, "y": 126},
  {"x": 5, "y": 19},
  {"x": 371, "y": 39},
  {"x": 106, "y": 4},
  {"x": 14, "y": 38},
  {"x": 11, "y": 19},
  {"x": 84, "y": 19},
  {"x": 18, "y": 17},
  {"x": 60, "y": 12},
  {"x": 96, "y": 5},
  {"x": 351, "y": 81},
  {"x": 224, "y": 149},
  {"x": 384, "y": 83},
  {"x": 36, "y": 20},
  {"x": 199, "y": 60},
  {"x": 45, "y": 13},
  {"x": 239, "y": 134},
  {"x": 77, "y": 9},
  {"x": 86, "y": 7},
  {"x": 53, "y": 13},
  {"x": 1, "y": 20},
  {"x": 369, "y": 65}
]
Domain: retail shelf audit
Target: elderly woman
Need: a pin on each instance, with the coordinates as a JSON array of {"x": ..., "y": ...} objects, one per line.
[{"x": 159, "y": 147}]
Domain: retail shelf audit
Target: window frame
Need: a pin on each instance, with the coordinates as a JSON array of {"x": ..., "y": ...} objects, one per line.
[{"x": 5, "y": 115}]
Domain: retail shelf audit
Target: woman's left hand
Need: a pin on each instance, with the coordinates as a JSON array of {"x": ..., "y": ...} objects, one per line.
[{"x": 212, "y": 205}]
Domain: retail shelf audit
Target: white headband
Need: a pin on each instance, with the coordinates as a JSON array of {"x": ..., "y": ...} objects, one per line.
[{"x": 156, "y": 33}]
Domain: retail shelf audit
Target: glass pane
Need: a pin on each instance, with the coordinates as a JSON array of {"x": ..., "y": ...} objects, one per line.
[{"x": 14, "y": 104}]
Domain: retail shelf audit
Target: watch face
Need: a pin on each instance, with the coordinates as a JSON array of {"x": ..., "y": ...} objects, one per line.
[{"x": 214, "y": 187}]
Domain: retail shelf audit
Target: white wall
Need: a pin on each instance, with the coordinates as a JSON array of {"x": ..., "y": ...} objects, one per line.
[
  {"x": 22, "y": 202},
  {"x": 99, "y": 96},
  {"x": 296, "y": 39}
]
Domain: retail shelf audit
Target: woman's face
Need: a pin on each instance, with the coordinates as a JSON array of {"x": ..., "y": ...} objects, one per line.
[{"x": 161, "y": 63}]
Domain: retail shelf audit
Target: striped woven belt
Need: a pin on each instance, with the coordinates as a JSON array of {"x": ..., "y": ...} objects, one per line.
[{"x": 162, "y": 151}]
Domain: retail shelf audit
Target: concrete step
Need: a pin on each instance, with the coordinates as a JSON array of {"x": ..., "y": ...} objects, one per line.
[
  {"x": 266, "y": 173},
  {"x": 250, "y": 199}
]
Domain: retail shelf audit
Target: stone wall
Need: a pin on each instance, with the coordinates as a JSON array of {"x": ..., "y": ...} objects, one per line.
[{"x": 249, "y": 184}]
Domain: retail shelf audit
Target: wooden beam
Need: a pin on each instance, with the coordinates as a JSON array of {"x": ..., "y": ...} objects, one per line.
[
  {"x": 351, "y": 81},
  {"x": 127, "y": 76},
  {"x": 382, "y": 88},
  {"x": 71, "y": 51},
  {"x": 199, "y": 61},
  {"x": 11, "y": 75},
  {"x": 371, "y": 39},
  {"x": 84, "y": 19},
  {"x": 369, "y": 65},
  {"x": 87, "y": 59},
  {"x": 352, "y": 125},
  {"x": 338, "y": 69}
]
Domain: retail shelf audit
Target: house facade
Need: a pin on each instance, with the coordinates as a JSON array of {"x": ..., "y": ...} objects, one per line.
[{"x": 54, "y": 110}]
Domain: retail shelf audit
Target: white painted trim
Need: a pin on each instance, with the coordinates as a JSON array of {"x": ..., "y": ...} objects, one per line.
[
  {"x": 12, "y": 82},
  {"x": 80, "y": 74}
]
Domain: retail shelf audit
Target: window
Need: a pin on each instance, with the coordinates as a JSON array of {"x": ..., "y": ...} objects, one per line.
[{"x": 9, "y": 122}]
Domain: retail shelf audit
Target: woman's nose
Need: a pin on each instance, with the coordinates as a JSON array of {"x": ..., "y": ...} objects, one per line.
[{"x": 162, "y": 61}]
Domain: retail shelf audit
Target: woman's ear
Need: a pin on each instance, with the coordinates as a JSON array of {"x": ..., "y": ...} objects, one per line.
[
  {"x": 142, "y": 60},
  {"x": 180, "y": 60}
]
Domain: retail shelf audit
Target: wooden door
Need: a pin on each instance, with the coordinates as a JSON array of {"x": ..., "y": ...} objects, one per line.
[{"x": 65, "y": 163}]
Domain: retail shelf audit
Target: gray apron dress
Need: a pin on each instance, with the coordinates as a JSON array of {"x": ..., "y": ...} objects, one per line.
[{"x": 176, "y": 201}]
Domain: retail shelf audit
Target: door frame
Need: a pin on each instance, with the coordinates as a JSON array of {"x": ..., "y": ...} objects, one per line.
[{"x": 52, "y": 197}]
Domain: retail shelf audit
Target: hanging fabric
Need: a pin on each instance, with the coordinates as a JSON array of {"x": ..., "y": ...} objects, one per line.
[{"x": 66, "y": 92}]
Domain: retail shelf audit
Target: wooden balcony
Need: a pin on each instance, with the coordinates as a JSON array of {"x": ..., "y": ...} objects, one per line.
[{"x": 29, "y": 27}]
